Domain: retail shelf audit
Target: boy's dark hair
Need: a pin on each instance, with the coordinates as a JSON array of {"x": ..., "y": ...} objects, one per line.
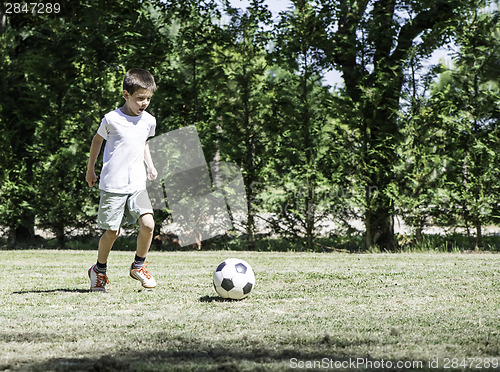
[{"x": 137, "y": 78}]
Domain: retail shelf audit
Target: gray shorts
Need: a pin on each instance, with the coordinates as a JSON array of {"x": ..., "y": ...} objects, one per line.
[{"x": 116, "y": 210}]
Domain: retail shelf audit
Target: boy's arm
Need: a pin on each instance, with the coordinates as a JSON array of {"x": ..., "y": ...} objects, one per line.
[
  {"x": 95, "y": 149},
  {"x": 152, "y": 172}
]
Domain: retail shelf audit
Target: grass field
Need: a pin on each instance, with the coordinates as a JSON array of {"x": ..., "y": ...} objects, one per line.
[{"x": 347, "y": 311}]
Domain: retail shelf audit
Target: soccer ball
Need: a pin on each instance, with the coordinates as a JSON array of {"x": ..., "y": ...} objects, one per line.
[{"x": 234, "y": 278}]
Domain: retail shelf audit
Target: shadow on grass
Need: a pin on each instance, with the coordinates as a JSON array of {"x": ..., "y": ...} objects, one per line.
[
  {"x": 67, "y": 290},
  {"x": 170, "y": 351},
  {"x": 215, "y": 299},
  {"x": 218, "y": 357},
  {"x": 201, "y": 358}
]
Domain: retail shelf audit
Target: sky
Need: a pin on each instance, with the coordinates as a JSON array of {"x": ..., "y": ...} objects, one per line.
[
  {"x": 274, "y": 6},
  {"x": 333, "y": 77}
]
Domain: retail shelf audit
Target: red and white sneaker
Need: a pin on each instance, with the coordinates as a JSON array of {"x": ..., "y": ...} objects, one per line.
[
  {"x": 143, "y": 275},
  {"x": 97, "y": 281}
]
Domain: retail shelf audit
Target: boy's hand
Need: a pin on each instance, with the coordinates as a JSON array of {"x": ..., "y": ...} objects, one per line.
[
  {"x": 91, "y": 178},
  {"x": 152, "y": 173}
]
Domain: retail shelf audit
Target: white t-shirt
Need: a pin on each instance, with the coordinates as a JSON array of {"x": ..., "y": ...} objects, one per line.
[{"x": 123, "y": 170}]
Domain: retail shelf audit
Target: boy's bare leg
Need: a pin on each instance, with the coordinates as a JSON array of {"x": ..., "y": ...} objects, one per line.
[
  {"x": 105, "y": 244},
  {"x": 146, "y": 228},
  {"x": 97, "y": 273},
  {"x": 138, "y": 269}
]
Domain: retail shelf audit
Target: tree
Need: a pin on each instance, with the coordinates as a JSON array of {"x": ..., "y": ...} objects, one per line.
[
  {"x": 421, "y": 155},
  {"x": 62, "y": 73},
  {"x": 241, "y": 105},
  {"x": 21, "y": 108},
  {"x": 473, "y": 166},
  {"x": 371, "y": 43},
  {"x": 300, "y": 127}
]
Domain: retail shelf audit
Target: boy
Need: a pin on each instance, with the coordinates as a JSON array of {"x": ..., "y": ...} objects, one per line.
[{"x": 124, "y": 198}]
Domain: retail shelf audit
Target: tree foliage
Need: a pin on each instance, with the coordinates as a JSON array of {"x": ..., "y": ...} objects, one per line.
[{"x": 396, "y": 139}]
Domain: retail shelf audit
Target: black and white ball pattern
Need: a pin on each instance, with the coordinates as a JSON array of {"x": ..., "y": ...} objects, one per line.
[{"x": 234, "y": 278}]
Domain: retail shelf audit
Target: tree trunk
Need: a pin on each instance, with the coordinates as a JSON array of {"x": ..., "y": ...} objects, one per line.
[
  {"x": 250, "y": 224},
  {"x": 60, "y": 236},
  {"x": 479, "y": 235},
  {"x": 23, "y": 233},
  {"x": 309, "y": 217},
  {"x": 379, "y": 225}
]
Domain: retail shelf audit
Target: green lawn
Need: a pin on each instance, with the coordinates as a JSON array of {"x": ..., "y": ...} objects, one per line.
[{"x": 307, "y": 310}]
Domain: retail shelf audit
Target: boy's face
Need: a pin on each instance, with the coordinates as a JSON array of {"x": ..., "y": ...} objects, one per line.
[{"x": 136, "y": 103}]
